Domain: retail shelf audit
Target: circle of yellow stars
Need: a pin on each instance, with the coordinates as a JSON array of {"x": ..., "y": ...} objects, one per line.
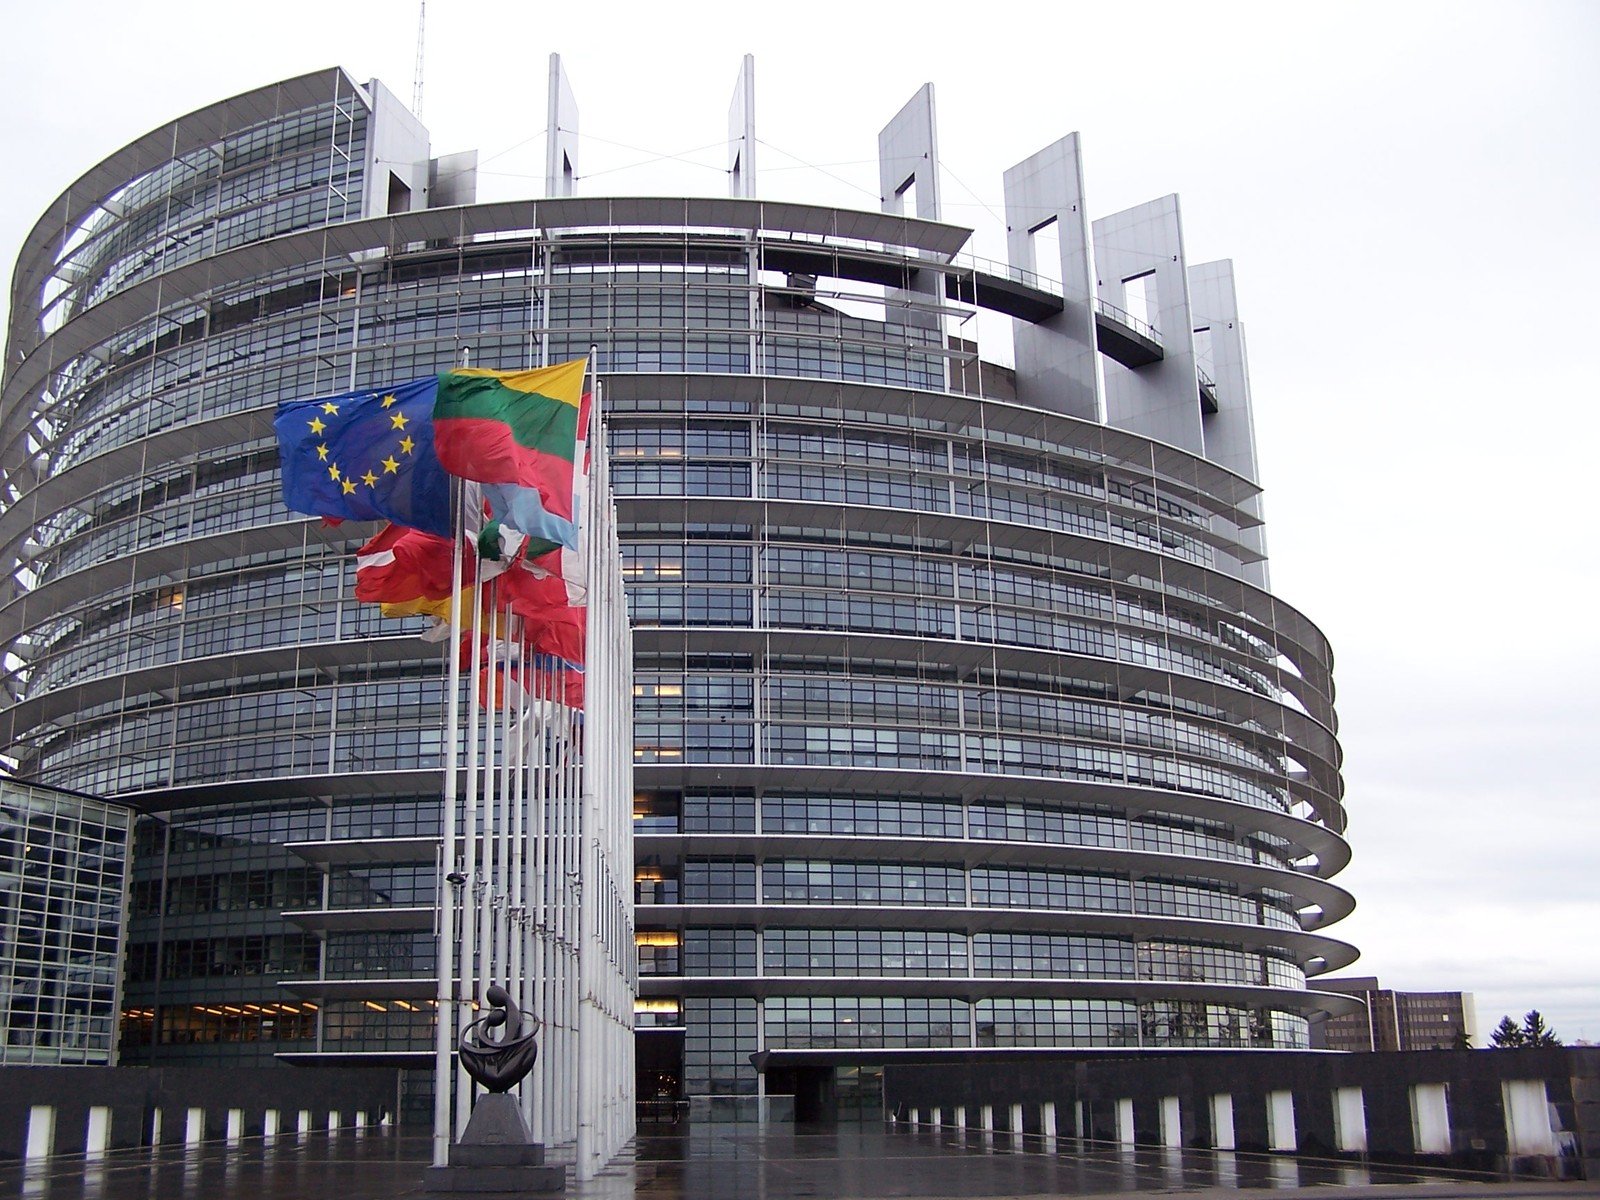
[{"x": 391, "y": 465}]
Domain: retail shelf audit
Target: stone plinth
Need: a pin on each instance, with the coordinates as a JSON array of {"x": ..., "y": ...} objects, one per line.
[{"x": 496, "y": 1157}]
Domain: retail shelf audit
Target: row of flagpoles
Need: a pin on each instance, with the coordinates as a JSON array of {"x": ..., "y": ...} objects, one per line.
[
  {"x": 536, "y": 858},
  {"x": 543, "y": 850}
]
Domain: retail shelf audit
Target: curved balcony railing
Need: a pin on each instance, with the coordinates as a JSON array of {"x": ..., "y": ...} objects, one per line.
[
  {"x": 1123, "y": 317},
  {"x": 990, "y": 266}
]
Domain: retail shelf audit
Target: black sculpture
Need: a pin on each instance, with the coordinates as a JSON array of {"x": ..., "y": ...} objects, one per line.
[
  {"x": 499, "y": 1064},
  {"x": 497, "y": 1155}
]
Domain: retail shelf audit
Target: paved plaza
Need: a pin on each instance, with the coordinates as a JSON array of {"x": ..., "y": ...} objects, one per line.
[{"x": 734, "y": 1162}]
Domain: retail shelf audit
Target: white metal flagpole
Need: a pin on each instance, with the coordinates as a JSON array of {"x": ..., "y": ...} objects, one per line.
[
  {"x": 444, "y": 1017},
  {"x": 588, "y": 827},
  {"x": 489, "y": 968},
  {"x": 473, "y": 899}
]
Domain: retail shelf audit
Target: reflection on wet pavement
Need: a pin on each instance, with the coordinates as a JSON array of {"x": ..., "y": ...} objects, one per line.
[{"x": 728, "y": 1162}]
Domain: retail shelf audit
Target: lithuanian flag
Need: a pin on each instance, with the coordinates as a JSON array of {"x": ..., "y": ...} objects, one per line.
[{"x": 518, "y": 427}]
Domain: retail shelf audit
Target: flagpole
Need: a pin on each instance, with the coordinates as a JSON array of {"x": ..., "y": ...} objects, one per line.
[
  {"x": 449, "y": 850},
  {"x": 519, "y": 863},
  {"x": 509, "y": 766},
  {"x": 538, "y": 884},
  {"x": 471, "y": 973},
  {"x": 483, "y": 646},
  {"x": 588, "y": 1066},
  {"x": 509, "y": 825}
]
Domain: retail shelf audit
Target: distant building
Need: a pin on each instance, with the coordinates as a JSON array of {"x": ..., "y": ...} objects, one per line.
[{"x": 1396, "y": 1020}]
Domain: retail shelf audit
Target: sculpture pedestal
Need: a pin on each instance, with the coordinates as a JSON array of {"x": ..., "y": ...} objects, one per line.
[{"x": 496, "y": 1157}]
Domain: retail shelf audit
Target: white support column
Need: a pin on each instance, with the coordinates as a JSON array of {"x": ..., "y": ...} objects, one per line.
[
  {"x": 1047, "y": 1123},
  {"x": 269, "y": 1123},
  {"x": 302, "y": 1123},
  {"x": 1430, "y": 1118},
  {"x": 235, "y": 1125},
  {"x": 1171, "y": 1122},
  {"x": 1016, "y": 1124},
  {"x": 97, "y": 1132},
  {"x": 1527, "y": 1109},
  {"x": 194, "y": 1127},
  {"x": 1349, "y": 1120},
  {"x": 41, "y": 1138},
  {"x": 1281, "y": 1134},
  {"x": 1222, "y": 1121},
  {"x": 155, "y": 1126},
  {"x": 1125, "y": 1121}
]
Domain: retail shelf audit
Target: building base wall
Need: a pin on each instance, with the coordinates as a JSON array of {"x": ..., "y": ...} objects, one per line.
[
  {"x": 1088, "y": 1089},
  {"x": 136, "y": 1095}
]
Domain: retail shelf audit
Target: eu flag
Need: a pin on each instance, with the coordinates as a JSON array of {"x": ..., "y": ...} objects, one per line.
[{"x": 366, "y": 455}]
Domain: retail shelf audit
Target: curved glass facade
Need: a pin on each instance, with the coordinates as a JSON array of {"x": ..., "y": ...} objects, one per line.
[{"x": 960, "y": 722}]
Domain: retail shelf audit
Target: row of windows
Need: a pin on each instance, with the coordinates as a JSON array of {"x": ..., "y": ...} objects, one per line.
[
  {"x": 825, "y": 358},
  {"x": 897, "y": 816},
  {"x": 231, "y": 891},
  {"x": 293, "y": 728},
  {"x": 824, "y": 1022},
  {"x": 293, "y": 737},
  {"x": 918, "y": 953},
  {"x": 816, "y": 446},
  {"x": 222, "y": 957},
  {"x": 219, "y": 832},
  {"x": 373, "y": 953},
  {"x": 802, "y": 881},
  {"x": 209, "y": 1024},
  {"x": 722, "y": 740},
  {"x": 884, "y": 489},
  {"x": 697, "y": 305}
]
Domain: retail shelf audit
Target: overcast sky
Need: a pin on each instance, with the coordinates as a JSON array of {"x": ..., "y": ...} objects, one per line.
[{"x": 1408, "y": 192}]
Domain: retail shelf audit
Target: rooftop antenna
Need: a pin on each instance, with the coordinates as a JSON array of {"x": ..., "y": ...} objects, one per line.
[{"x": 416, "y": 75}]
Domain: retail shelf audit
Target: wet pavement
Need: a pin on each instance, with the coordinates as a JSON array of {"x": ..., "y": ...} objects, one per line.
[{"x": 738, "y": 1162}]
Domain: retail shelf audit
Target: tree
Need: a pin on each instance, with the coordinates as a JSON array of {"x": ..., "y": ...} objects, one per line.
[
  {"x": 1535, "y": 1033},
  {"x": 1507, "y": 1035},
  {"x": 1463, "y": 1040}
]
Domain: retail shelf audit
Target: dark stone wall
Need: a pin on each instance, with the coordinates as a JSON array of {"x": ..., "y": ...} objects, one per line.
[
  {"x": 135, "y": 1093},
  {"x": 1473, "y": 1077}
]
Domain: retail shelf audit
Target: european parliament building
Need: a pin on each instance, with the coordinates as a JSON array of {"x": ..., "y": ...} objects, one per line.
[{"x": 965, "y": 716}]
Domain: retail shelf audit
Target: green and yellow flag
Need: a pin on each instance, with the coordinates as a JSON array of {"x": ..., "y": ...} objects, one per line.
[{"x": 516, "y": 427}]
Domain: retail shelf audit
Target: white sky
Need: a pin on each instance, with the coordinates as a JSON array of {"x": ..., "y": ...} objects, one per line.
[{"x": 1408, "y": 193}]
